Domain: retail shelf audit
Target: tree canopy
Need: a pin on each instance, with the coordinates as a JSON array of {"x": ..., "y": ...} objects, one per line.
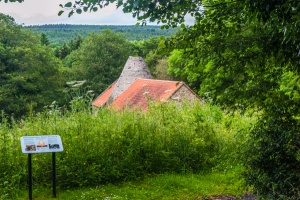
[
  {"x": 99, "y": 59},
  {"x": 243, "y": 42},
  {"x": 171, "y": 12},
  {"x": 29, "y": 73},
  {"x": 254, "y": 35}
]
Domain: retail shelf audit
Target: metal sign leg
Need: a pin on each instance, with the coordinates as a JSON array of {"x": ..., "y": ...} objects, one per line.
[
  {"x": 53, "y": 175},
  {"x": 29, "y": 177}
]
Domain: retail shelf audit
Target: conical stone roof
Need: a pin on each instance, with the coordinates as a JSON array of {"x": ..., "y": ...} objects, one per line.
[{"x": 135, "y": 67}]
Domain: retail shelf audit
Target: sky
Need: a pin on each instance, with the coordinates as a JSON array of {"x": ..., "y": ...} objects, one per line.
[{"x": 39, "y": 12}]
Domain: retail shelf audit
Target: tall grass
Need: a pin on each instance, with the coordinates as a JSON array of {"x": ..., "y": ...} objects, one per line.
[{"x": 110, "y": 147}]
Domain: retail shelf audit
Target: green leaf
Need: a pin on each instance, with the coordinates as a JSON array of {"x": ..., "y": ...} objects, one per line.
[
  {"x": 78, "y": 11},
  {"x": 85, "y": 9},
  {"x": 120, "y": 3},
  {"x": 71, "y": 13},
  {"x": 95, "y": 9},
  {"x": 152, "y": 19},
  {"x": 68, "y": 5},
  {"x": 60, "y": 12}
]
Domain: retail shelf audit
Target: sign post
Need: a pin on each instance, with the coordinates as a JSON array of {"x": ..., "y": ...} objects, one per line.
[
  {"x": 41, "y": 144},
  {"x": 29, "y": 177},
  {"x": 53, "y": 174}
]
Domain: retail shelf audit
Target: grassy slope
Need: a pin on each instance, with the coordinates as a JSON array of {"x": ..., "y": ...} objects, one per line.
[{"x": 163, "y": 187}]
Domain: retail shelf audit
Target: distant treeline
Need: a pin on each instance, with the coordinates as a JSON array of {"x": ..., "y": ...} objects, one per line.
[{"x": 61, "y": 33}]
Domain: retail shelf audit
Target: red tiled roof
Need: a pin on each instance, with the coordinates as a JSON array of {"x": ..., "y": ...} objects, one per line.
[
  {"x": 141, "y": 90},
  {"x": 104, "y": 96}
]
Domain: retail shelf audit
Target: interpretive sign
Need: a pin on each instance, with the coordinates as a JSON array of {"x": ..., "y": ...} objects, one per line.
[{"x": 41, "y": 144}]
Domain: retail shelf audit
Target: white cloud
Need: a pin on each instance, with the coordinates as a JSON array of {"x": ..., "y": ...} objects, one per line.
[{"x": 38, "y": 12}]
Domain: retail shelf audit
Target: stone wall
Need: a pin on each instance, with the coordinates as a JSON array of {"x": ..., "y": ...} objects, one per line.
[{"x": 185, "y": 93}]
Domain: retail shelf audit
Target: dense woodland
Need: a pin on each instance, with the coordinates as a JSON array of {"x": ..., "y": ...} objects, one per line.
[
  {"x": 240, "y": 56},
  {"x": 36, "y": 71},
  {"x": 61, "y": 33}
]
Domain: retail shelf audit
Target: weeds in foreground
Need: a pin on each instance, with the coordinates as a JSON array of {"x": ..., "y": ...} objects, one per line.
[{"x": 110, "y": 147}]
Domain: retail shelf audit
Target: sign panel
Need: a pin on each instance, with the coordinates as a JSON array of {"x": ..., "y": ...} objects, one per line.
[{"x": 41, "y": 144}]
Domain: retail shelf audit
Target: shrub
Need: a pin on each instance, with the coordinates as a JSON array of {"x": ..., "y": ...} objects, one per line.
[
  {"x": 109, "y": 147},
  {"x": 273, "y": 153}
]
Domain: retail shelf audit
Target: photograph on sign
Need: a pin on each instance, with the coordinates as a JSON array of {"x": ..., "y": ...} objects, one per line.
[
  {"x": 41, "y": 144},
  {"x": 53, "y": 146},
  {"x": 30, "y": 147}
]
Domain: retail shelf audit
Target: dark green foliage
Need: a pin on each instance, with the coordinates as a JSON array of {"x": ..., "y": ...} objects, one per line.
[
  {"x": 63, "y": 33},
  {"x": 64, "y": 50},
  {"x": 233, "y": 55},
  {"x": 274, "y": 151},
  {"x": 239, "y": 54},
  {"x": 144, "y": 47},
  {"x": 29, "y": 72},
  {"x": 76, "y": 44},
  {"x": 44, "y": 39},
  {"x": 169, "y": 12},
  {"x": 99, "y": 59}
]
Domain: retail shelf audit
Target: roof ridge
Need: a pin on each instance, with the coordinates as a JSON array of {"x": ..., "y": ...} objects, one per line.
[{"x": 159, "y": 80}]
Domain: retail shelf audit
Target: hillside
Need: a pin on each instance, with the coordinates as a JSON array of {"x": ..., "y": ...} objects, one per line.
[{"x": 61, "y": 33}]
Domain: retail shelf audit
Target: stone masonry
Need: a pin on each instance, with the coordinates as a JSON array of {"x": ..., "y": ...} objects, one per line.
[{"x": 135, "y": 67}]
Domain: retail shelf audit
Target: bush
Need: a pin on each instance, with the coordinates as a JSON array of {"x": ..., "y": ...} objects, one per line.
[
  {"x": 110, "y": 147},
  {"x": 273, "y": 153}
]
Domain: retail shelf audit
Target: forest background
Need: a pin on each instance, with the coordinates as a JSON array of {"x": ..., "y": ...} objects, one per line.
[{"x": 242, "y": 56}]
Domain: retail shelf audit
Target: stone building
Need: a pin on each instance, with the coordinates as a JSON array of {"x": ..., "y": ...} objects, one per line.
[{"x": 135, "y": 88}]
